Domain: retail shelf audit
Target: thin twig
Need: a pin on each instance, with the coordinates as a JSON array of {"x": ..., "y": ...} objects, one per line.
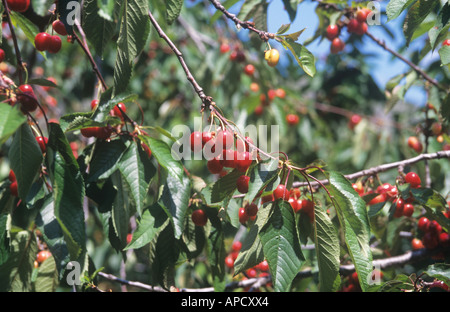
[{"x": 385, "y": 167}]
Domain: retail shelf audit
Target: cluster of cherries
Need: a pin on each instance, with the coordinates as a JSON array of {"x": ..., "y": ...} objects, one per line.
[
  {"x": 432, "y": 234},
  {"x": 41, "y": 257},
  {"x": 18, "y": 5},
  {"x": 356, "y": 25},
  {"x": 44, "y": 41},
  {"x": 259, "y": 270}
]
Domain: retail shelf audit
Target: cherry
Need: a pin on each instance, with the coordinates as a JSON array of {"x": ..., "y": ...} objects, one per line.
[
  {"x": 355, "y": 119},
  {"x": 251, "y": 209},
  {"x": 97, "y": 132},
  {"x": 94, "y": 104},
  {"x": 416, "y": 244},
  {"x": 42, "y": 141},
  {"x": 281, "y": 192},
  {"x": 242, "y": 184},
  {"x": 206, "y": 137},
  {"x": 224, "y": 48},
  {"x": 430, "y": 241},
  {"x": 27, "y": 98},
  {"x": 199, "y": 217},
  {"x": 272, "y": 57},
  {"x": 229, "y": 261},
  {"x": 236, "y": 246},
  {"x": 381, "y": 198},
  {"x": 444, "y": 239},
  {"x": 228, "y": 158},
  {"x": 352, "y": 25},
  {"x": 434, "y": 228},
  {"x": 413, "y": 179},
  {"x": 242, "y": 214},
  {"x": 259, "y": 110},
  {"x": 446, "y": 42},
  {"x": 59, "y": 27},
  {"x": 306, "y": 205},
  {"x": 361, "y": 29},
  {"x": 294, "y": 203},
  {"x": 226, "y": 138},
  {"x": 119, "y": 110},
  {"x": 332, "y": 31},
  {"x": 251, "y": 273},
  {"x": 243, "y": 161},
  {"x": 415, "y": 144},
  {"x": 2, "y": 55},
  {"x": 55, "y": 44},
  {"x": 13, "y": 189},
  {"x": 18, "y": 5},
  {"x": 249, "y": 69},
  {"x": 361, "y": 15},
  {"x": 43, "y": 255},
  {"x": 214, "y": 165},
  {"x": 408, "y": 210},
  {"x": 280, "y": 93},
  {"x": 271, "y": 94},
  {"x": 267, "y": 198},
  {"x": 196, "y": 141},
  {"x": 263, "y": 266},
  {"x": 42, "y": 41},
  {"x": 422, "y": 224},
  {"x": 292, "y": 119},
  {"x": 337, "y": 45}
]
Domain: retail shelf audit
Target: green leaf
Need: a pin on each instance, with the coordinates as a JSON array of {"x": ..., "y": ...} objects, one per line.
[
  {"x": 68, "y": 190},
  {"x": 120, "y": 213},
  {"x": 152, "y": 221},
  {"x": 283, "y": 28},
  {"x": 416, "y": 15},
  {"x": 105, "y": 159},
  {"x": 173, "y": 10},
  {"x": 175, "y": 197},
  {"x": 15, "y": 274},
  {"x": 281, "y": 245},
  {"x": 440, "y": 271},
  {"x": 216, "y": 257},
  {"x": 444, "y": 53},
  {"x": 225, "y": 186},
  {"x": 5, "y": 235},
  {"x": 26, "y": 159},
  {"x": 47, "y": 276},
  {"x": 291, "y": 8},
  {"x": 10, "y": 120},
  {"x": 395, "y": 7},
  {"x": 163, "y": 155},
  {"x": 99, "y": 28},
  {"x": 261, "y": 176},
  {"x": 107, "y": 103},
  {"x": 440, "y": 29},
  {"x": 136, "y": 175},
  {"x": 327, "y": 250},
  {"x": 302, "y": 55},
  {"x": 353, "y": 217},
  {"x": 133, "y": 34},
  {"x": 29, "y": 29}
]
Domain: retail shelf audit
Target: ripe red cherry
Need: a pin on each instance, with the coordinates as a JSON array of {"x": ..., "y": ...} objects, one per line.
[
  {"x": 118, "y": 109},
  {"x": 42, "y": 141},
  {"x": 196, "y": 141},
  {"x": 281, "y": 192},
  {"x": 243, "y": 161},
  {"x": 13, "y": 189},
  {"x": 242, "y": 184},
  {"x": 251, "y": 209},
  {"x": 306, "y": 206},
  {"x": 55, "y": 44},
  {"x": 236, "y": 246},
  {"x": 361, "y": 29},
  {"x": 444, "y": 239},
  {"x": 229, "y": 262},
  {"x": 242, "y": 214},
  {"x": 355, "y": 119},
  {"x": 249, "y": 69},
  {"x": 415, "y": 144},
  {"x": 352, "y": 25},
  {"x": 332, "y": 31},
  {"x": 294, "y": 203},
  {"x": 18, "y": 5},
  {"x": 42, "y": 41},
  {"x": 11, "y": 176},
  {"x": 27, "y": 98},
  {"x": 361, "y": 15},
  {"x": 94, "y": 104},
  {"x": 199, "y": 217},
  {"x": 422, "y": 224},
  {"x": 292, "y": 119},
  {"x": 226, "y": 138},
  {"x": 408, "y": 210},
  {"x": 214, "y": 166},
  {"x": 206, "y": 137},
  {"x": 97, "y": 132},
  {"x": 43, "y": 255},
  {"x": 434, "y": 228},
  {"x": 430, "y": 241},
  {"x": 413, "y": 179},
  {"x": 224, "y": 48},
  {"x": 416, "y": 244},
  {"x": 337, "y": 45},
  {"x": 2, "y": 55},
  {"x": 228, "y": 158},
  {"x": 446, "y": 42},
  {"x": 59, "y": 27}
]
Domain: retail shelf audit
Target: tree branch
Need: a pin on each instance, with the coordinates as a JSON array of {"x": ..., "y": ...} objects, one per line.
[{"x": 385, "y": 167}]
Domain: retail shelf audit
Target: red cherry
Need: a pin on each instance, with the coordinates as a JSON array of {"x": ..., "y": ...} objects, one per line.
[
  {"x": 381, "y": 198},
  {"x": 249, "y": 69},
  {"x": 422, "y": 224},
  {"x": 2, "y": 55},
  {"x": 229, "y": 262},
  {"x": 206, "y": 137},
  {"x": 226, "y": 138},
  {"x": 224, "y": 48},
  {"x": 55, "y": 44},
  {"x": 228, "y": 158},
  {"x": 361, "y": 15},
  {"x": 281, "y": 192},
  {"x": 415, "y": 144},
  {"x": 147, "y": 149},
  {"x": 444, "y": 239},
  {"x": 307, "y": 206},
  {"x": 408, "y": 210},
  {"x": 263, "y": 266},
  {"x": 243, "y": 161},
  {"x": 251, "y": 209},
  {"x": 446, "y": 42},
  {"x": 259, "y": 110},
  {"x": 42, "y": 41},
  {"x": 292, "y": 119},
  {"x": 242, "y": 214},
  {"x": 11, "y": 176},
  {"x": 236, "y": 246},
  {"x": 242, "y": 184},
  {"x": 94, "y": 104},
  {"x": 199, "y": 217},
  {"x": 434, "y": 227},
  {"x": 42, "y": 141},
  {"x": 266, "y": 199},
  {"x": 196, "y": 141},
  {"x": 214, "y": 166},
  {"x": 18, "y": 5},
  {"x": 27, "y": 98},
  {"x": 118, "y": 109},
  {"x": 337, "y": 45},
  {"x": 13, "y": 189},
  {"x": 413, "y": 179},
  {"x": 352, "y": 25},
  {"x": 89, "y": 132},
  {"x": 294, "y": 203},
  {"x": 332, "y": 32},
  {"x": 416, "y": 244},
  {"x": 430, "y": 241},
  {"x": 59, "y": 27},
  {"x": 355, "y": 119},
  {"x": 43, "y": 255}
]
